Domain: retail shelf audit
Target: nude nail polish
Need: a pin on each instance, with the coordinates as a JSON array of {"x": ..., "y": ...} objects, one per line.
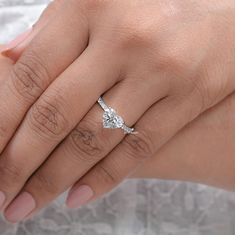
[
  {"x": 22, "y": 206},
  {"x": 80, "y": 196},
  {"x": 16, "y": 42}
]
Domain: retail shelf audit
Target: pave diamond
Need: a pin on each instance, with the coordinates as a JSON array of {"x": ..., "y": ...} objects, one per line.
[{"x": 111, "y": 119}]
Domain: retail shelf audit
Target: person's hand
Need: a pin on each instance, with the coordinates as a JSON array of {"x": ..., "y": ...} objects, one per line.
[
  {"x": 158, "y": 63},
  {"x": 203, "y": 151}
]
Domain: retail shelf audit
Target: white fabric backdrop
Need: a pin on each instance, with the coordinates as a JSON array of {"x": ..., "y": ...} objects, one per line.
[{"x": 137, "y": 207}]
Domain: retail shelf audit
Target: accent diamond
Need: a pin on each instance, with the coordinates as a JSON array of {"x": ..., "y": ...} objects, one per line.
[{"x": 111, "y": 119}]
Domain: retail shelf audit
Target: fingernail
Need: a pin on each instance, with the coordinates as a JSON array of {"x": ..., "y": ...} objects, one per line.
[
  {"x": 20, "y": 207},
  {"x": 80, "y": 196},
  {"x": 16, "y": 42},
  {"x": 2, "y": 199}
]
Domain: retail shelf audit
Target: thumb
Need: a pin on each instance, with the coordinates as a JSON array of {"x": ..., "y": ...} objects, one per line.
[{"x": 15, "y": 48}]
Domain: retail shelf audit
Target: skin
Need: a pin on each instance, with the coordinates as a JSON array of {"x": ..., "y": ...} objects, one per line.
[
  {"x": 209, "y": 161},
  {"x": 160, "y": 72},
  {"x": 202, "y": 152}
]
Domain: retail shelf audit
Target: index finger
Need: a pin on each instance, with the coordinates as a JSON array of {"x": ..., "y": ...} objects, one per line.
[{"x": 48, "y": 55}]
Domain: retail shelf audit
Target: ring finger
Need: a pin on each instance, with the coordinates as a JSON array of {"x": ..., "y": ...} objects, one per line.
[{"x": 159, "y": 124}]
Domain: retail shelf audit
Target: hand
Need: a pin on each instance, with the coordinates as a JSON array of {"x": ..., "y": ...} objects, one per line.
[
  {"x": 200, "y": 152},
  {"x": 159, "y": 64},
  {"x": 203, "y": 151}
]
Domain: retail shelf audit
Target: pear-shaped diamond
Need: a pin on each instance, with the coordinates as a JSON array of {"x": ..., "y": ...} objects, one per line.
[{"x": 111, "y": 119}]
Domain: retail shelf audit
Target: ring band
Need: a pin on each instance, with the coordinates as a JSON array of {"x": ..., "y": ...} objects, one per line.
[{"x": 112, "y": 120}]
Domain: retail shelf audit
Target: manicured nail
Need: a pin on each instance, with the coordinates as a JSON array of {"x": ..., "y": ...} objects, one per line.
[
  {"x": 20, "y": 207},
  {"x": 2, "y": 199},
  {"x": 16, "y": 42},
  {"x": 80, "y": 196}
]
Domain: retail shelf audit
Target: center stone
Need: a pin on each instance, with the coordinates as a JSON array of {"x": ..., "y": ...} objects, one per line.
[{"x": 112, "y": 120}]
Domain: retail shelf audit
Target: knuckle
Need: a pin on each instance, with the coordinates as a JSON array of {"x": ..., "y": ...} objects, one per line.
[
  {"x": 134, "y": 35},
  {"x": 105, "y": 176},
  {"x": 44, "y": 184},
  {"x": 29, "y": 76},
  {"x": 85, "y": 142},
  {"x": 46, "y": 117},
  {"x": 139, "y": 146},
  {"x": 173, "y": 60},
  {"x": 174, "y": 57},
  {"x": 10, "y": 174},
  {"x": 135, "y": 31}
]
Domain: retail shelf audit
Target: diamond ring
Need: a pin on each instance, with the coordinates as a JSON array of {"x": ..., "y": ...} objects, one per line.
[{"x": 112, "y": 120}]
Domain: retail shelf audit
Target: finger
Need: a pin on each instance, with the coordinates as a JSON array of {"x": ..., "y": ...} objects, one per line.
[
  {"x": 50, "y": 12},
  {"x": 84, "y": 147},
  {"x": 5, "y": 66},
  {"x": 53, "y": 116},
  {"x": 155, "y": 128},
  {"x": 17, "y": 47},
  {"x": 39, "y": 65}
]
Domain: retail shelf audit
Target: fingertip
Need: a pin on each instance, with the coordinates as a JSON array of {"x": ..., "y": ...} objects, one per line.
[
  {"x": 79, "y": 196},
  {"x": 22, "y": 206}
]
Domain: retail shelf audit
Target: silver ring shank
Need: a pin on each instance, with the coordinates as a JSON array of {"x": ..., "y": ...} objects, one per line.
[{"x": 102, "y": 104}]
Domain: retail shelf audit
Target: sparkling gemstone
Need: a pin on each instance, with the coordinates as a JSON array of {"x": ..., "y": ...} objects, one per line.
[{"x": 112, "y": 120}]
